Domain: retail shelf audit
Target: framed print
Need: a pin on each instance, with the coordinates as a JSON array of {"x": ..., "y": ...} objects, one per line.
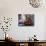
[{"x": 25, "y": 19}]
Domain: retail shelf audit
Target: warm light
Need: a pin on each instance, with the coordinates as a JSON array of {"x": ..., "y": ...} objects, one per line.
[{"x": 6, "y": 35}]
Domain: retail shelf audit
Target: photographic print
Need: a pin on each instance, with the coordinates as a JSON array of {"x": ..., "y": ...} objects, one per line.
[{"x": 25, "y": 19}]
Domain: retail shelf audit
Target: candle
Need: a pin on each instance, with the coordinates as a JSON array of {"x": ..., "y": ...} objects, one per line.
[{"x": 7, "y": 35}]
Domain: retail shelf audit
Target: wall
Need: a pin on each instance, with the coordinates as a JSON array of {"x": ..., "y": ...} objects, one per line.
[
  {"x": 11, "y": 8},
  {"x": 45, "y": 29}
]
